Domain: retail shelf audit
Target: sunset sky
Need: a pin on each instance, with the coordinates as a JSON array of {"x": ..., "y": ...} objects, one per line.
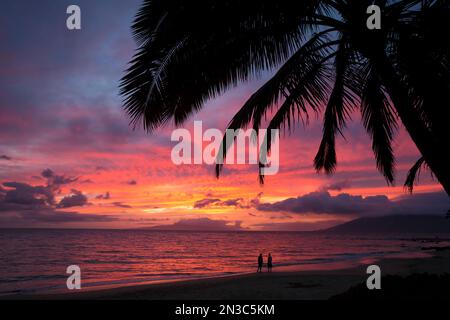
[{"x": 68, "y": 157}]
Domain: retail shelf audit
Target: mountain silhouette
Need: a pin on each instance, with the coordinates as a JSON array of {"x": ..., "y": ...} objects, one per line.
[{"x": 396, "y": 224}]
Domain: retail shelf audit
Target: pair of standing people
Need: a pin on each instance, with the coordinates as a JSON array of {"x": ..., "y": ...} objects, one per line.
[{"x": 261, "y": 261}]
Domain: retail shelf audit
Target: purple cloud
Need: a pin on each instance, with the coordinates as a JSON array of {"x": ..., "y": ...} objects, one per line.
[
  {"x": 26, "y": 195},
  {"x": 23, "y": 196},
  {"x": 56, "y": 180},
  {"x": 233, "y": 202},
  {"x": 321, "y": 202},
  {"x": 76, "y": 199}
]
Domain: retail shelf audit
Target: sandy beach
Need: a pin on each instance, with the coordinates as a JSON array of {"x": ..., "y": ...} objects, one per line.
[{"x": 283, "y": 285}]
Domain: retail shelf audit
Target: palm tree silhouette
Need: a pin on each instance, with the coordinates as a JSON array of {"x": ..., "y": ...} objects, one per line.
[{"x": 328, "y": 61}]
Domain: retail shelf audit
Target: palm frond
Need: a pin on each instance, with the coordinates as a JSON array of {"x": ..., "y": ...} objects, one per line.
[
  {"x": 275, "y": 89},
  {"x": 337, "y": 111},
  {"x": 380, "y": 122},
  {"x": 228, "y": 42},
  {"x": 157, "y": 75},
  {"x": 146, "y": 26},
  {"x": 191, "y": 51},
  {"x": 309, "y": 93},
  {"x": 290, "y": 82},
  {"x": 413, "y": 174}
]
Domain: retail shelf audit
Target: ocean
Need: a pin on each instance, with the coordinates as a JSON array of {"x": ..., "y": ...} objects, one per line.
[{"x": 35, "y": 260}]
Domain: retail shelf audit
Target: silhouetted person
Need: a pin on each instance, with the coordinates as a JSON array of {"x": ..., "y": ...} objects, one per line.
[
  {"x": 260, "y": 262},
  {"x": 269, "y": 263}
]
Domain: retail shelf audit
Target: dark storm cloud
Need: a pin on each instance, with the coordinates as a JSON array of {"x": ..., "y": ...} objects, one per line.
[
  {"x": 22, "y": 204},
  {"x": 420, "y": 203},
  {"x": 5, "y": 157},
  {"x": 23, "y": 194},
  {"x": 76, "y": 199},
  {"x": 321, "y": 202}
]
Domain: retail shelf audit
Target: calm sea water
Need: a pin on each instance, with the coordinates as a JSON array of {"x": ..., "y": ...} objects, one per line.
[{"x": 34, "y": 261}]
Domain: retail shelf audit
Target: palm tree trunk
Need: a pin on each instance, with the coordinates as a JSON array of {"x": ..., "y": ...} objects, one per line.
[{"x": 432, "y": 148}]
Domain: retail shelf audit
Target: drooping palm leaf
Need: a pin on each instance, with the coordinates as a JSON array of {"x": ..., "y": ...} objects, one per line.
[
  {"x": 380, "y": 121},
  {"x": 413, "y": 174},
  {"x": 300, "y": 76},
  {"x": 191, "y": 51},
  {"x": 228, "y": 41},
  {"x": 337, "y": 111}
]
